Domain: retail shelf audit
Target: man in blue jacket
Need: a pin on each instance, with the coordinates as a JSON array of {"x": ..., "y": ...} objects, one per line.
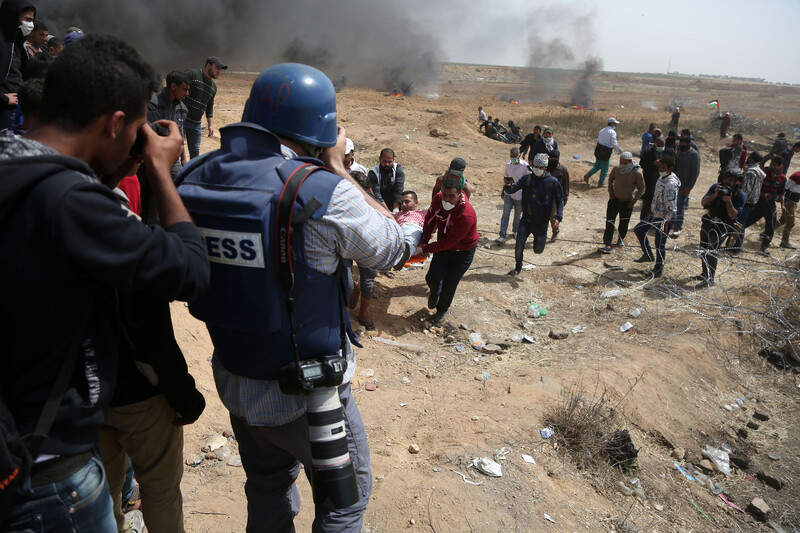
[{"x": 540, "y": 192}]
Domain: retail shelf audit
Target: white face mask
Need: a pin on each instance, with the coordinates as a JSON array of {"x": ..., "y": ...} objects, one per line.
[
  {"x": 663, "y": 174},
  {"x": 538, "y": 171},
  {"x": 447, "y": 206},
  {"x": 26, "y": 27},
  {"x": 515, "y": 160},
  {"x": 627, "y": 167},
  {"x": 548, "y": 140}
]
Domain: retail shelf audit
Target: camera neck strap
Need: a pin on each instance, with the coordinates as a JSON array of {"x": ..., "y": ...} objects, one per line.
[{"x": 286, "y": 220}]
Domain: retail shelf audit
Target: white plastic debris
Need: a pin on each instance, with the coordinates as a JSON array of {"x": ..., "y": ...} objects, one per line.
[
  {"x": 502, "y": 453},
  {"x": 488, "y": 466},
  {"x": 612, "y": 293},
  {"x": 719, "y": 457},
  {"x": 528, "y": 459},
  {"x": 528, "y": 267},
  {"x": 465, "y": 478},
  {"x": 579, "y": 329},
  {"x": 625, "y": 327},
  {"x": 636, "y": 312},
  {"x": 549, "y": 518}
]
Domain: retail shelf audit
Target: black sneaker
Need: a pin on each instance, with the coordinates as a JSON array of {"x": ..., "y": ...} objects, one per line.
[
  {"x": 605, "y": 250},
  {"x": 705, "y": 283},
  {"x": 654, "y": 273},
  {"x": 433, "y": 301},
  {"x": 437, "y": 319},
  {"x": 698, "y": 277},
  {"x": 788, "y": 246},
  {"x": 514, "y": 272},
  {"x": 643, "y": 259}
]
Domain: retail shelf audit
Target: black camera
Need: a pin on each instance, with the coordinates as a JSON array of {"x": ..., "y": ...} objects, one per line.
[
  {"x": 724, "y": 190},
  {"x": 332, "y": 474},
  {"x": 138, "y": 144},
  {"x": 325, "y": 371}
]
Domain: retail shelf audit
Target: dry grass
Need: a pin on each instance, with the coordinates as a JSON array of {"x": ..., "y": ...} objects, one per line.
[{"x": 586, "y": 427}]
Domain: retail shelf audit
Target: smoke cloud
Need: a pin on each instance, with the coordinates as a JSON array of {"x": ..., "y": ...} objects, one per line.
[
  {"x": 353, "y": 41},
  {"x": 560, "y": 39}
]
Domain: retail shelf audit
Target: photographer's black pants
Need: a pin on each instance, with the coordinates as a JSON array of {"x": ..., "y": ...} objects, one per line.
[{"x": 712, "y": 235}]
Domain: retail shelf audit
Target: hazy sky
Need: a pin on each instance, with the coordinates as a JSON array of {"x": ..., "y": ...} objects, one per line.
[{"x": 731, "y": 37}]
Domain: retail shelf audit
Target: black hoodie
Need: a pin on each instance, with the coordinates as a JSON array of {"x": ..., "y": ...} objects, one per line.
[
  {"x": 66, "y": 246},
  {"x": 11, "y": 43}
]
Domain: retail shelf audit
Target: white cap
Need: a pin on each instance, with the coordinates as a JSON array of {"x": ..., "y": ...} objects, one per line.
[
  {"x": 612, "y": 120},
  {"x": 349, "y": 146},
  {"x": 626, "y": 155}
]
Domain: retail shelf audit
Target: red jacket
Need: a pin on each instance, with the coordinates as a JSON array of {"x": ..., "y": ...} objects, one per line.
[{"x": 456, "y": 229}]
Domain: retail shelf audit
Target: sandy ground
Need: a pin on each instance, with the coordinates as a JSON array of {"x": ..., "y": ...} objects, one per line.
[{"x": 667, "y": 378}]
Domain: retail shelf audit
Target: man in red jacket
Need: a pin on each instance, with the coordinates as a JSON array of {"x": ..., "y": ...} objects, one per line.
[{"x": 457, "y": 236}]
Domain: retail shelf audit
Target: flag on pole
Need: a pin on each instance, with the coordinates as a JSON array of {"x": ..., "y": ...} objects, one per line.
[{"x": 714, "y": 103}]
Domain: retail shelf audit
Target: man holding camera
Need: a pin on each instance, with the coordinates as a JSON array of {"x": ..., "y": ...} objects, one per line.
[
  {"x": 277, "y": 228},
  {"x": 724, "y": 202},
  {"x": 68, "y": 243}
]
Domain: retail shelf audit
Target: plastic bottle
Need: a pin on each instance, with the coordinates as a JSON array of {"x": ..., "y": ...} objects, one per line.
[{"x": 535, "y": 310}]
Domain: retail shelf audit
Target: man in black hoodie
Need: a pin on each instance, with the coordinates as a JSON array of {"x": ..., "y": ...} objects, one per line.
[
  {"x": 67, "y": 248},
  {"x": 16, "y": 22}
]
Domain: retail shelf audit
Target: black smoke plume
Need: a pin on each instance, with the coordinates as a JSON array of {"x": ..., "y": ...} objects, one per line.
[
  {"x": 559, "y": 38},
  {"x": 359, "y": 42},
  {"x": 583, "y": 90}
]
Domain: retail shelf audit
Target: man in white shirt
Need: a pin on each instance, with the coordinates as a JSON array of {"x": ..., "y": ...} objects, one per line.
[
  {"x": 606, "y": 144},
  {"x": 515, "y": 168}
]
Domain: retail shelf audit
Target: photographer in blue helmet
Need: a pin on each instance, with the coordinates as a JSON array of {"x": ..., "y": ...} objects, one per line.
[{"x": 280, "y": 214}]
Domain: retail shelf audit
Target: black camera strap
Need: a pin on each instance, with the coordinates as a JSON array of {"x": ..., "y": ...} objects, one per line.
[{"x": 285, "y": 221}]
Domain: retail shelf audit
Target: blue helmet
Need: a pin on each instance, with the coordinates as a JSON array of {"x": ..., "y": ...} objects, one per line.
[{"x": 294, "y": 101}]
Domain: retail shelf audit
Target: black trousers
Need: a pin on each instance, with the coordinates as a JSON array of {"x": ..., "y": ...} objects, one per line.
[
  {"x": 617, "y": 207},
  {"x": 712, "y": 235}
]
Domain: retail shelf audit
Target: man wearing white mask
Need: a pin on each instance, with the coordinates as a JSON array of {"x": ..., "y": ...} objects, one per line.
[
  {"x": 456, "y": 226},
  {"x": 540, "y": 192},
  {"x": 606, "y": 145},
  {"x": 16, "y": 23},
  {"x": 515, "y": 169}
]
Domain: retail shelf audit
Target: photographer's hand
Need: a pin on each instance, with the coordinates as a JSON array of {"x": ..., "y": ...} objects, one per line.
[
  {"x": 333, "y": 158},
  {"x": 159, "y": 154}
]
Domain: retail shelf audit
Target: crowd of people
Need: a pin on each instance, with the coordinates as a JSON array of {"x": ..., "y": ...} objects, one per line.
[{"x": 110, "y": 219}]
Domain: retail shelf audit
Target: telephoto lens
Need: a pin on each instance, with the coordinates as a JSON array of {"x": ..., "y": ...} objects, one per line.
[{"x": 333, "y": 475}]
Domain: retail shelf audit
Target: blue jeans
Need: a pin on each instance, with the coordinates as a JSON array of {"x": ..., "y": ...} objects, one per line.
[
  {"x": 271, "y": 458},
  {"x": 80, "y": 502},
  {"x": 193, "y": 133},
  {"x": 683, "y": 201},
  {"x": 526, "y": 229},
  {"x": 744, "y": 214},
  {"x": 602, "y": 166},
  {"x": 446, "y": 270},
  {"x": 508, "y": 204},
  {"x": 7, "y": 116},
  {"x": 642, "y": 229}
]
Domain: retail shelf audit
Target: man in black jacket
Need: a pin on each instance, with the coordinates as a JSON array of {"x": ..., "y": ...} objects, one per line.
[
  {"x": 16, "y": 23},
  {"x": 387, "y": 180},
  {"x": 67, "y": 248},
  {"x": 649, "y": 163}
]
